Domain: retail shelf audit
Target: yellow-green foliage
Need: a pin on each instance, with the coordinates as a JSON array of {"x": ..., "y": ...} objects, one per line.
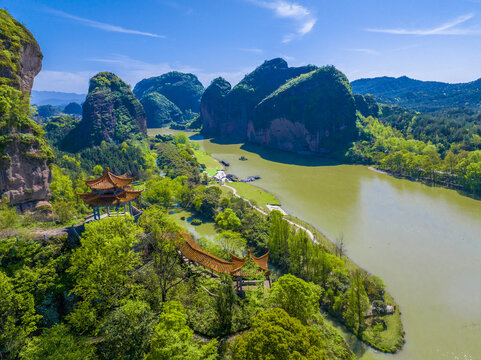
[
  {"x": 15, "y": 124},
  {"x": 13, "y": 36}
]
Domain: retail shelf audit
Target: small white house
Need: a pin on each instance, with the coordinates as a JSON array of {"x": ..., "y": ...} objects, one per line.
[{"x": 220, "y": 176}]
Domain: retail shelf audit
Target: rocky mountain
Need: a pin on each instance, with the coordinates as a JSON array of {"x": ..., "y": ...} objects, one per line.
[
  {"x": 111, "y": 113},
  {"x": 172, "y": 97},
  {"x": 421, "y": 95},
  {"x": 301, "y": 109},
  {"x": 25, "y": 175}
]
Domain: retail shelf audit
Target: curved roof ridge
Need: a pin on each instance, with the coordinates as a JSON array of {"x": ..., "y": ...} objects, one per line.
[
  {"x": 108, "y": 181},
  {"x": 197, "y": 248},
  {"x": 191, "y": 250}
]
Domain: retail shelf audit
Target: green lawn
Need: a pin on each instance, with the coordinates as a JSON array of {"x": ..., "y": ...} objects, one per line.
[
  {"x": 253, "y": 193},
  {"x": 211, "y": 164},
  {"x": 391, "y": 339}
]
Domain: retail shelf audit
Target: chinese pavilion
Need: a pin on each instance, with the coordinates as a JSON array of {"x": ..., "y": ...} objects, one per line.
[
  {"x": 194, "y": 255},
  {"x": 108, "y": 191}
]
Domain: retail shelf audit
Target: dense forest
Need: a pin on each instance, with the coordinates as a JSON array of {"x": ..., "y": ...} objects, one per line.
[
  {"x": 426, "y": 96},
  {"x": 442, "y": 147}
]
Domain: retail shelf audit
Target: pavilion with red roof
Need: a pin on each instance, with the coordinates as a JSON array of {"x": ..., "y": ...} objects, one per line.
[{"x": 108, "y": 191}]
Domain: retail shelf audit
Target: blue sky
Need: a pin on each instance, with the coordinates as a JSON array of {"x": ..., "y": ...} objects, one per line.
[{"x": 424, "y": 39}]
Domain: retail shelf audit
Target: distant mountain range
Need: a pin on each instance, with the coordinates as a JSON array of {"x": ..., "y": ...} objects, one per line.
[
  {"x": 420, "y": 95},
  {"x": 55, "y": 98}
]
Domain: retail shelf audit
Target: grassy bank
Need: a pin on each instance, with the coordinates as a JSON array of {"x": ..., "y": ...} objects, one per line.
[
  {"x": 211, "y": 164},
  {"x": 254, "y": 194}
]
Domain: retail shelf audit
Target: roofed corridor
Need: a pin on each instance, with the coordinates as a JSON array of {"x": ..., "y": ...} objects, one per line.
[{"x": 194, "y": 255}]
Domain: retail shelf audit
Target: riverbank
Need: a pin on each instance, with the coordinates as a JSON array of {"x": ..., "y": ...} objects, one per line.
[{"x": 391, "y": 339}]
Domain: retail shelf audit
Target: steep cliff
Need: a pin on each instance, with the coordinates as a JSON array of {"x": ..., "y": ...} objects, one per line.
[
  {"x": 111, "y": 113},
  {"x": 229, "y": 115},
  {"x": 179, "y": 93},
  {"x": 20, "y": 55},
  {"x": 314, "y": 112},
  {"x": 303, "y": 109},
  {"x": 24, "y": 154},
  {"x": 213, "y": 111}
]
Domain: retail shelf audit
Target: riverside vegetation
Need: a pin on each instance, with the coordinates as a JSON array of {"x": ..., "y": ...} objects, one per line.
[{"x": 78, "y": 299}]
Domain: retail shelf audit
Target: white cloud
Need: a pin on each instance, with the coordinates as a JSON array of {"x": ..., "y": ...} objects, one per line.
[
  {"x": 307, "y": 26},
  {"x": 252, "y": 50},
  {"x": 290, "y": 10},
  {"x": 133, "y": 70},
  {"x": 365, "y": 51},
  {"x": 448, "y": 28},
  {"x": 102, "y": 26},
  {"x": 128, "y": 69}
]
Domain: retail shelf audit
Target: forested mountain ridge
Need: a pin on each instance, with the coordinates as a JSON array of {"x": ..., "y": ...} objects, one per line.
[
  {"x": 171, "y": 97},
  {"x": 111, "y": 113},
  {"x": 421, "y": 95},
  {"x": 302, "y": 109},
  {"x": 24, "y": 154}
]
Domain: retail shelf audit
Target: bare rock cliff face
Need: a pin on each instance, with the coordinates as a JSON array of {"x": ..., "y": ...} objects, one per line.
[
  {"x": 30, "y": 65},
  {"x": 26, "y": 180},
  {"x": 25, "y": 175}
]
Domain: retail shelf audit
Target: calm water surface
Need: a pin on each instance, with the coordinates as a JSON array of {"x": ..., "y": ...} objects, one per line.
[{"x": 425, "y": 242}]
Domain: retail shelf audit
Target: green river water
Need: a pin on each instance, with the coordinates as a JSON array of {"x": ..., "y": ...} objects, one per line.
[{"x": 424, "y": 242}]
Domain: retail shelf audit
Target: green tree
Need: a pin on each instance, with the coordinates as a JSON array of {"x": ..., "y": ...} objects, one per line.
[
  {"x": 101, "y": 267},
  {"x": 279, "y": 234},
  {"x": 297, "y": 297},
  {"x": 173, "y": 339},
  {"x": 161, "y": 234},
  {"x": 57, "y": 343},
  {"x": 8, "y": 217},
  {"x": 18, "y": 318},
  {"x": 161, "y": 191},
  {"x": 228, "y": 220},
  {"x": 98, "y": 170},
  {"x": 127, "y": 331},
  {"x": 275, "y": 335},
  {"x": 231, "y": 242},
  {"x": 225, "y": 302},
  {"x": 358, "y": 303}
]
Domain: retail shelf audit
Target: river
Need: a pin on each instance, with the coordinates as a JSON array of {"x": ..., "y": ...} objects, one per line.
[{"x": 424, "y": 242}]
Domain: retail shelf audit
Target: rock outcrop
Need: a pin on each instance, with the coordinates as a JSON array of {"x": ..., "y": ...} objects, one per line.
[
  {"x": 303, "y": 109},
  {"x": 170, "y": 98},
  {"x": 228, "y": 115},
  {"x": 111, "y": 113},
  {"x": 25, "y": 156},
  {"x": 20, "y": 55},
  {"x": 314, "y": 112}
]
